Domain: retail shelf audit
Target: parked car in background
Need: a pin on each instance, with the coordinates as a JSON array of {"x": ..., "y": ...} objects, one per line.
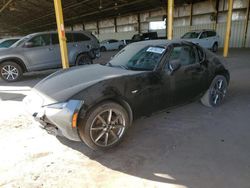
[
  {"x": 205, "y": 38},
  {"x": 143, "y": 78},
  {"x": 111, "y": 44},
  {"x": 8, "y": 42},
  {"x": 40, "y": 51},
  {"x": 126, "y": 41},
  {"x": 145, "y": 36}
]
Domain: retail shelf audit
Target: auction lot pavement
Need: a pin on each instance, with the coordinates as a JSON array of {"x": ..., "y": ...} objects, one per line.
[{"x": 190, "y": 146}]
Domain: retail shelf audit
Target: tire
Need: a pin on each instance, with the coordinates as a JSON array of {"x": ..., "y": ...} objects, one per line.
[
  {"x": 83, "y": 59},
  {"x": 97, "y": 132},
  {"x": 10, "y": 71},
  {"x": 215, "y": 47},
  {"x": 216, "y": 93},
  {"x": 103, "y": 49}
]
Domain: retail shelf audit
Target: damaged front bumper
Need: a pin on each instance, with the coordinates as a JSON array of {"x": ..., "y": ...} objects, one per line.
[{"x": 57, "y": 118}]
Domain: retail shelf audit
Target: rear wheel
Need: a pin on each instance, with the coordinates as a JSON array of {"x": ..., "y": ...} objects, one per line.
[
  {"x": 10, "y": 71},
  {"x": 215, "y": 47},
  {"x": 104, "y": 126},
  {"x": 83, "y": 59},
  {"x": 216, "y": 92}
]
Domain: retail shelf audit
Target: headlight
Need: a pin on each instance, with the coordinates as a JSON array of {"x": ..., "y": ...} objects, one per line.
[{"x": 56, "y": 105}]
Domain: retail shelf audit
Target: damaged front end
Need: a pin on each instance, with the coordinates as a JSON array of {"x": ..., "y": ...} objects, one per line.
[{"x": 57, "y": 118}]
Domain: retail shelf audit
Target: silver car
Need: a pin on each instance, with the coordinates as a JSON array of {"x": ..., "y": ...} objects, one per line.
[
  {"x": 111, "y": 44},
  {"x": 41, "y": 51},
  {"x": 205, "y": 38}
]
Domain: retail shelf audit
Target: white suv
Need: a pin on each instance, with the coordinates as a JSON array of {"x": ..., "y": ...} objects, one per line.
[{"x": 205, "y": 38}]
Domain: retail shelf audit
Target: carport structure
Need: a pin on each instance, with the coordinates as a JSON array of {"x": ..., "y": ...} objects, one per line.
[{"x": 96, "y": 15}]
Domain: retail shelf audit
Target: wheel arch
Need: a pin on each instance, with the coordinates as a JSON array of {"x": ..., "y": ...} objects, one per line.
[
  {"x": 119, "y": 100},
  {"x": 224, "y": 73},
  {"x": 82, "y": 53},
  {"x": 16, "y": 60}
]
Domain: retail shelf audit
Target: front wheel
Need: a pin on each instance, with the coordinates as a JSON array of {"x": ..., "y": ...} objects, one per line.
[
  {"x": 83, "y": 59},
  {"x": 10, "y": 71},
  {"x": 216, "y": 93},
  {"x": 104, "y": 126}
]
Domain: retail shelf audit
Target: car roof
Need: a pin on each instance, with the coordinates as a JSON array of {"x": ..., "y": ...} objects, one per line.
[
  {"x": 55, "y": 32},
  {"x": 202, "y": 30}
]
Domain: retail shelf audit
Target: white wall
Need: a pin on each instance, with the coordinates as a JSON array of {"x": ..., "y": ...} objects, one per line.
[{"x": 127, "y": 26}]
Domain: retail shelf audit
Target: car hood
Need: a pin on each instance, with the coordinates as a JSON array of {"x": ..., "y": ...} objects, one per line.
[
  {"x": 7, "y": 51},
  {"x": 63, "y": 84}
]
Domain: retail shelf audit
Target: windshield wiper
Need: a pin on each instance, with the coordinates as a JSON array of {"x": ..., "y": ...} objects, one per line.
[{"x": 123, "y": 67}]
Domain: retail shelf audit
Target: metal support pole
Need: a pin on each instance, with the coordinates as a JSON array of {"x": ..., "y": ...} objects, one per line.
[
  {"x": 246, "y": 25},
  {"x": 139, "y": 23},
  {"x": 228, "y": 31},
  {"x": 170, "y": 18},
  {"x": 97, "y": 27},
  {"x": 115, "y": 23},
  {"x": 61, "y": 33},
  {"x": 191, "y": 15}
]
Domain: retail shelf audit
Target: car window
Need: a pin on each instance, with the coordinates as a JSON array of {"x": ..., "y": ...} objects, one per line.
[
  {"x": 191, "y": 35},
  {"x": 69, "y": 37},
  {"x": 55, "y": 39},
  {"x": 185, "y": 54},
  {"x": 204, "y": 35},
  {"x": 40, "y": 40},
  {"x": 79, "y": 37},
  {"x": 211, "y": 33},
  {"x": 113, "y": 41},
  {"x": 8, "y": 43},
  {"x": 146, "y": 59}
]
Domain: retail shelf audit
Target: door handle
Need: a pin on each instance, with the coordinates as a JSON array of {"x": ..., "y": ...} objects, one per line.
[
  {"x": 50, "y": 48},
  {"x": 75, "y": 45}
]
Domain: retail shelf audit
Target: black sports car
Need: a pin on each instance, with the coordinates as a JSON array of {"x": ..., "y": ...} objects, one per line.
[{"x": 96, "y": 103}]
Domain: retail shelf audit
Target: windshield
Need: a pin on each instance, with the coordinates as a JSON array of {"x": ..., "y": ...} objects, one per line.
[
  {"x": 138, "y": 57},
  {"x": 191, "y": 35}
]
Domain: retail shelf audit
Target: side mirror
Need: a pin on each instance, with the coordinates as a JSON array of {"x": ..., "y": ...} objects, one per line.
[
  {"x": 28, "y": 44},
  {"x": 174, "y": 65}
]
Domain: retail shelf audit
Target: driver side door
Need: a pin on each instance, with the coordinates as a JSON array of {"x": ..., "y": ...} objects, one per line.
[
  {"x": 39, "y": 52},
  {"x": 188, "y": 81}
]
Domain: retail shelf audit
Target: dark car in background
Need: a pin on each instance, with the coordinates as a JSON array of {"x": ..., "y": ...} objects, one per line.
[
  {"x": 96, "y": 103},
  {"x": 41, "y": 51},
  {"x": 145, "y": 36}
]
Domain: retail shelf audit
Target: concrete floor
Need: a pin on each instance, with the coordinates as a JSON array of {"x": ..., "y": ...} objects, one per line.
[{"x": 190, "y": 146}]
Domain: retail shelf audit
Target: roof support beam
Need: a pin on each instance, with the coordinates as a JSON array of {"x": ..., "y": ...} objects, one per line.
[
  {"x": 5, "y": 6},
  {"x": 228, "y": 31},
  {"x": 61, "y": 33},
  {"x": 246, "y": 25},
  {"x": 170, "y": 19},
  {"x": 191, "y": 15}
]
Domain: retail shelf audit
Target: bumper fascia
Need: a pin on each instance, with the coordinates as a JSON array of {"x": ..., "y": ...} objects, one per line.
[{"x": 59, "y": 121}]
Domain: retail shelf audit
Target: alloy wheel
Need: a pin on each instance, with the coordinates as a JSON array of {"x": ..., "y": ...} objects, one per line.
[
  {"x": 9, "y": 72},
  {"x": 218, "y": 92},
  {"x": 107, "y": 128}
]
